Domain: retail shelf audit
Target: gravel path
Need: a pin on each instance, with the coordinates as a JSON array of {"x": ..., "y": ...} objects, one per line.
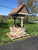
[{"x": 27, "y": 44}]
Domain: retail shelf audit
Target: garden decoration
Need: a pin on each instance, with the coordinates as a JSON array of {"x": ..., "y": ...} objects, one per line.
[{"x": 18, "y": 32}]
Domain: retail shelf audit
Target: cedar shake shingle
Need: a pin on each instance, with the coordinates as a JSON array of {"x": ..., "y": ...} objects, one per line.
[
  {"x": 23, "y": 10},
  {"x": 16, "y": 9}
]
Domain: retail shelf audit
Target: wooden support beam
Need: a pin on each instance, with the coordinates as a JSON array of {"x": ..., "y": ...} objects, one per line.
[
  {"x": 14, "y": 21},
  {"x": 22, "y": 21}
]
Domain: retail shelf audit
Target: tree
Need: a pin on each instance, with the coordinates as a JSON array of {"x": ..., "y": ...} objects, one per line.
[{"x": 31, "y": 5}]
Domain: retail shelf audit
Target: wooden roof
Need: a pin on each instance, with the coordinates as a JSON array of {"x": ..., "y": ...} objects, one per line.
[{"x": 19, "y": 10}]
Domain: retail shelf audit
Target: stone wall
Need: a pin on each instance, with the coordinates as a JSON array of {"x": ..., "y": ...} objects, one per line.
[{"x": 17, "y": 31}]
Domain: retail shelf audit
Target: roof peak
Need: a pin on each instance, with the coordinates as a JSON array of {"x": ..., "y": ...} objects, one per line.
[{"x": 17, "y": 9}]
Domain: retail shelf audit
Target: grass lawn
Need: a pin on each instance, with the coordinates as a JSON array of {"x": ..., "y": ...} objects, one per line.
[
  {"x": 31, "y": 29},
  {"x": 4, "y": 28}
]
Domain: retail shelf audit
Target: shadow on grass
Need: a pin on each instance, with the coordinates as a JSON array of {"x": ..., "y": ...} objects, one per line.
[
  {"x": 4, "y": 25},
  {"x": 29, "y": 23}
]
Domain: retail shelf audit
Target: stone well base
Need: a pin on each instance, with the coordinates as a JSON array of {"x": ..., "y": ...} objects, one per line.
[{"x": 17, "y": 32}]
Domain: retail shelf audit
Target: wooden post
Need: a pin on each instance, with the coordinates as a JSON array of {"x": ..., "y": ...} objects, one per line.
[
  {"x": 14, "y": 21},
  {"x": 22, "y": 21}
]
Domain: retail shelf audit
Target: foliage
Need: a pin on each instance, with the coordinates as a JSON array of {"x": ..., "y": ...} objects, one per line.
[
  {"x": 11, "y": 20},
  {"x": 31, "y": 18},
  {"x": 31, "y": 5},
  {"x": 3, "y": 18}
]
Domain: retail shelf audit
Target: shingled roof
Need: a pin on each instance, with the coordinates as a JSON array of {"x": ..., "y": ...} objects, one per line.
[{"x": 19, "y": 10}]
